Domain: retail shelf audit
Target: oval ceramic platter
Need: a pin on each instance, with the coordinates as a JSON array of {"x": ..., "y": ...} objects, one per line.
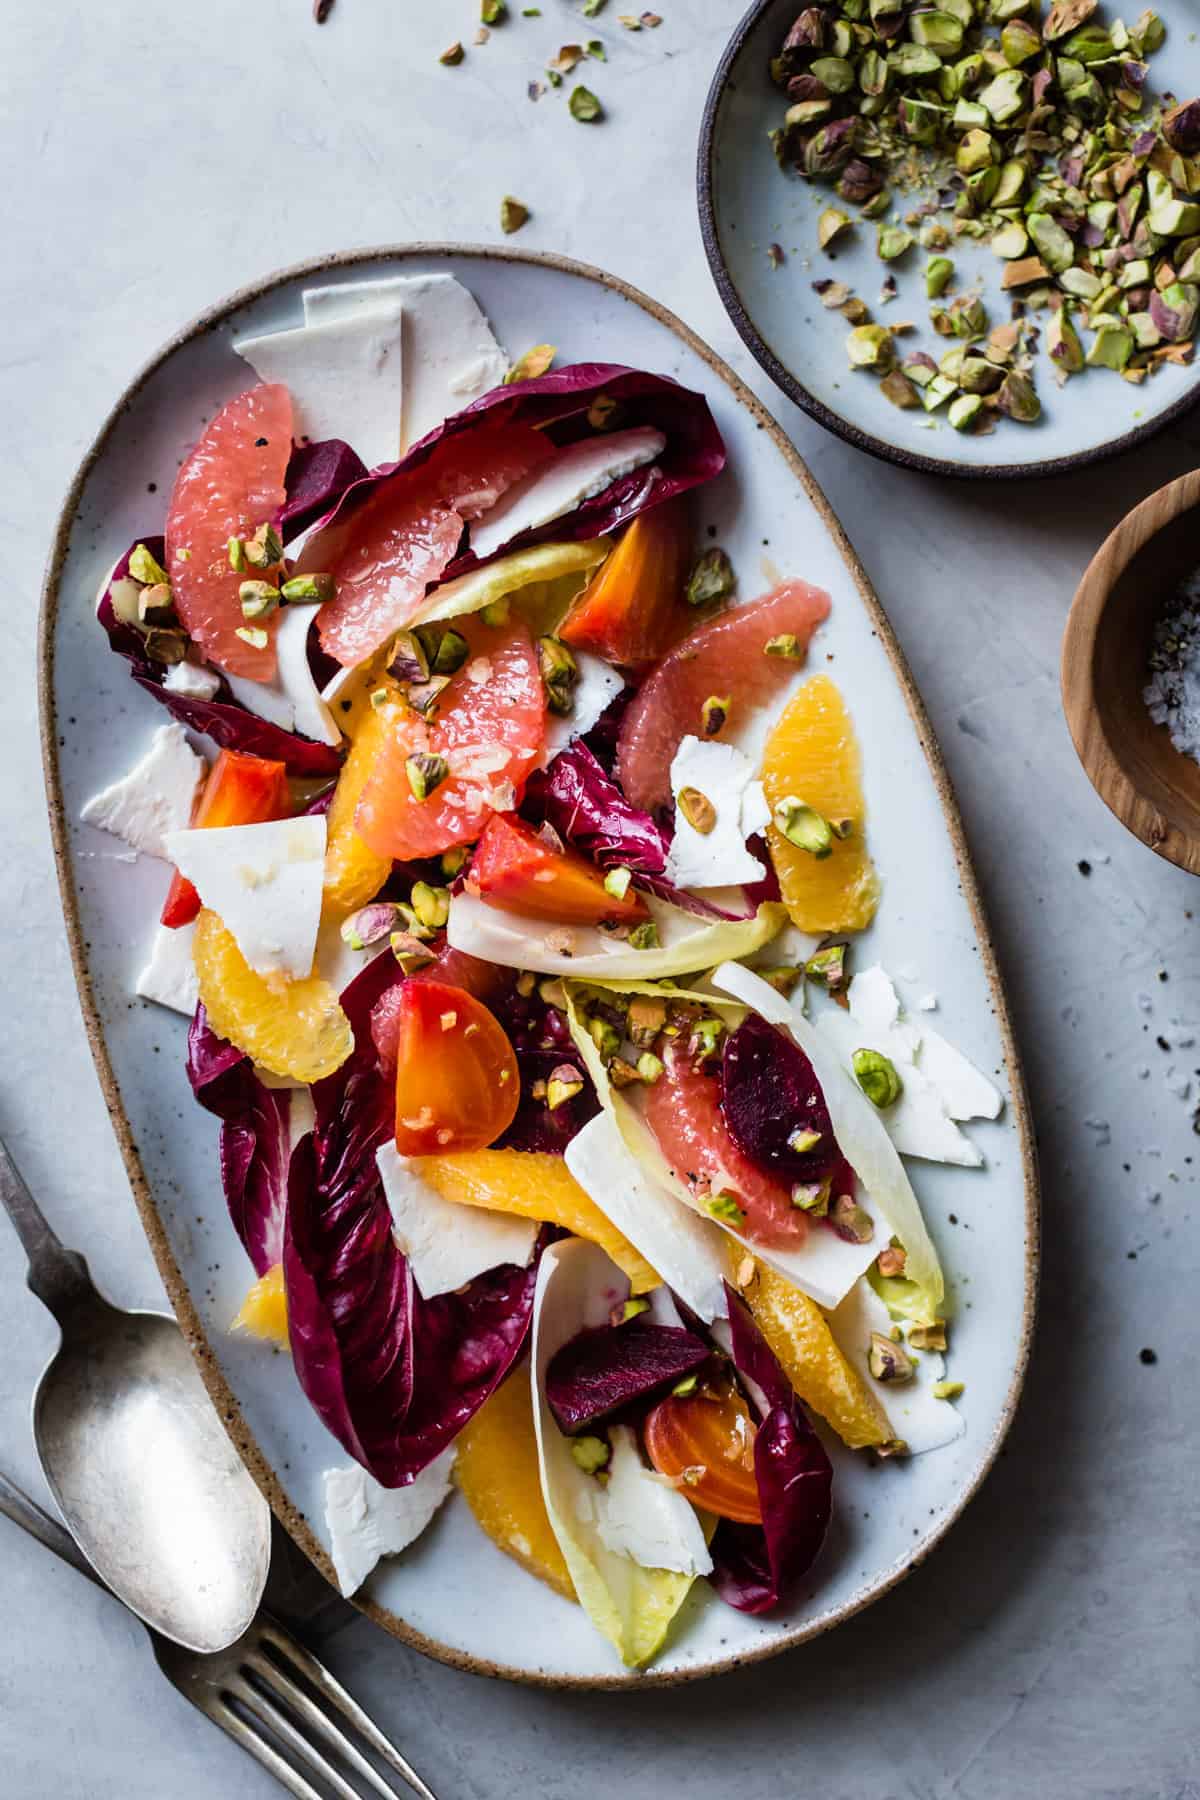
[
  {"x": 748, "y": 203},
  {"x": 453, "y": 1594}
]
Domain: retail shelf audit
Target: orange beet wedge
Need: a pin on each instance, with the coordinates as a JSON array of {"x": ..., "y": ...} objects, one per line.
[{"x": 513, "y": 868}]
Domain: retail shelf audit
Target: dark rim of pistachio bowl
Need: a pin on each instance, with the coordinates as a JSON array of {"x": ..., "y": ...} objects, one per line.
[{"x": 795, "y": 390}]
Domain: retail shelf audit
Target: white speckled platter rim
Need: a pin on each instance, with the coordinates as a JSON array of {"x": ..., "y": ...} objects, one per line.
[
  {"x": 454, "y": 1596},
  {"x": 747, "y": 202}
]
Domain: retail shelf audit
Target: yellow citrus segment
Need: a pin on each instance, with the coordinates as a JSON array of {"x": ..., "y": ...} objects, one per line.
[
  {"x": 263, "y": 1313},
  {"x": 293, "y": 1028},
  {"x": 796, "y": 1330},
  {"x": 354, "y": 874},
  {"x": 497, "y": 1469},
  {"x": 534, "y": 1185},
  {"x": 812, "y": 754}
]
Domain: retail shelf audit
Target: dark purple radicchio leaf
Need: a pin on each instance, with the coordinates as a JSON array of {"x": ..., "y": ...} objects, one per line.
[
  {"x": 317, "y": 477},
  {"x": 755, "y": 1566},
  {"x": 255, "y": 1139},
  {"x": 393, "y": 1376},
  {"x": 225, "y": 720},
  {"x": 559, "y": 404},
  {"x": 587, "y": 809},
  {"x": 769, "y": 1094},
  {"x": 601, "y": 1372},
  {"x": 542, "y": 1042}
]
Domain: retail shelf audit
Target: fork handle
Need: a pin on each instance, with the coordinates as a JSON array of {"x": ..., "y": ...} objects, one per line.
[
  {"x": 59, "y": 1277},
  {"x": 16, "y": 1505}
]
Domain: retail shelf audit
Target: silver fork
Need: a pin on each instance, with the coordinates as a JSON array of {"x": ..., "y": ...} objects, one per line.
[{"x": 258, "y": 1691}]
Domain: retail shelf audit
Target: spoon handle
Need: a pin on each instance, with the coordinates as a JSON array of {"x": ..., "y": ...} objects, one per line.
[
  {"x": 16, "y": 1505},
  {"x": 58, "y": 1276}
]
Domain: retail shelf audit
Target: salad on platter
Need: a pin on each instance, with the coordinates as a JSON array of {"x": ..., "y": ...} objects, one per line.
[{"x": 514, "y": 863}]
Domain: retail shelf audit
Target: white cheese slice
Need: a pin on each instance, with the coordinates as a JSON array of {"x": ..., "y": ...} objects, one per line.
[
  {"x": 718, "y": 858},
  {"x": 451, "y": 356},
  {"x": 640, "y": 1515},
  {"x": 915, "y": 1414},
  {"x": 264, "y": 882},
  {"x": 447, "y": 1243},
  {"x": 292, "y": 700},
  {"x": 192, "y": 680},
  {"x": 592, "y": 695},
  {"x": 938, "y": 1084},
  {"x": 154, "y": 798},
  {"x": 345, "y": 377},
  {"x": 577, "y": 473},
  {"x": 685, "y": 1249},
  {"x": 170, "y": 975},
  {"x": 367, "y": 1521}
]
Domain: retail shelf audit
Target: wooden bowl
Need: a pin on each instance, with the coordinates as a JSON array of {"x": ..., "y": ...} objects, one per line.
[{"x": 1130, "y": 761}]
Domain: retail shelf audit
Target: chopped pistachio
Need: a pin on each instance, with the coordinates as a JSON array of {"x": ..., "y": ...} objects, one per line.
[
  {"x": 1017, "y": 398},
  {"x": 408, "y": 949},
  {"x": 154, "y": 604},
  {"x": 685, "y": 1388},
  {"x": 560, "y": 674},
  {"x": 940, "y": 31},
  {"x": 409, "y": 660},
  {"x": 584, "y": 106},
  {"x": 871, "y": 347},
  {"x": 595, "y": 49},
  {"x": 430, "y": 904},
  {"x": 829, "y": 224},
  {"x": 535, "y": 362},
  {"x": 803, "y": 826},
  {"x": 888, "y": 1361},
  {"x": 929, "y": 1337},
  {"x": 616, "y": 882},
  {"x": 948, "y": 1390},
  {"x": 891, "y": 1261},
  {"x": 370, "y": 924},
  {"x": 147, "y": 569},
  {"x": 897, "y": 388},
  {"x": 425, "y": 772},
  {"x": 1011, "y": 240},
  {"x": 711, "y": 579},
  {"x": 453, "y": 861},
  {"x": 644, "y": 937},
  {"x": 1112, "y": 345},
  {"x": 706, "y": 1037},
  {"x": 1062, "y": 343},
  {"x": 590, "y": 1454},
  {"x": 264, "y": 548},
  {"x": 697, "y": 809},
  {"x": 803, "y": 1139},
  {"x": 562, "y": 1085},
  {"x": 450, "y": 654},
  {"x": 851, "y": 1220},
  {"x": 963, "y": 412},
  {"x": 827, "y": 965},
  {"x": 649, "y": 1067},
  {"x": 647, "y": 1017},
  {"x": 975, "y": 152},
  {"x": 876, "y": 1076},
  {"x": 725, "y": 1206},
  {"x": 309, "y": 587},
  {"x": 236, "y": 552},
  {"x": 170, "y": 647},
  {"x": 892, "y": 242},
  {"x": 714, "y": 714},
  {"x": 938, "y": 274},
  {"x": 811, "y": 1197},
  {"x": 254, "y": 635},
  {"x": 513, "y": 214},
  {"x": 496, "y": 612},
  {"x": 787, "y": 646}
]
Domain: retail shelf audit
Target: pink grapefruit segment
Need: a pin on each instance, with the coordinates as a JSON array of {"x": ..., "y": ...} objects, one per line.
[
  {"x": 490, "y": 726},
  {"x": 683, "y": 1110},
  {"x": 386, "y": 552},
  {"x": 724, "y": 656},
  {"x": 230, "y": 485}
]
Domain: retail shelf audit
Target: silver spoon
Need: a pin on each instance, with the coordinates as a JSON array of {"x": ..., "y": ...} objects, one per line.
[{"x": 148, "y": 1482}]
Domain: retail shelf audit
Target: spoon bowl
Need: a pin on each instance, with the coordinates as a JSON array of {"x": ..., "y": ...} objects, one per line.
[
  {"x": 1131, "y": 762},
  {"x": 137, "y": 1460}
]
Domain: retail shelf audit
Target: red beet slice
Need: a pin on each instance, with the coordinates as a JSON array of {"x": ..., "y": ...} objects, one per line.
[
  {"x": 768, "y": 1093},
  {"x": 599, "y": 1373}
]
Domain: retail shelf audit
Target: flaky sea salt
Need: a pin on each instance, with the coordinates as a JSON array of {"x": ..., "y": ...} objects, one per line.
[{"x": 1172, "y": 695}]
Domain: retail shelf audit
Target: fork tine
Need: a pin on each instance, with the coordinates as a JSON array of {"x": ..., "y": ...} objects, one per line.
[
  {"x": 270, "y": 1715},
  {"x": 318, "y": 1724},
  {"x": 315, "y": 1672},
  {"x": 264, "y": 1752}
]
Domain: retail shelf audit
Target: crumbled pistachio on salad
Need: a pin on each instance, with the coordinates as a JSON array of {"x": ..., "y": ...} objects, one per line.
[
  {"x": 877, "y": 1077},
  {"x": 803, "y": 826},
  {"x": 851, "y": 1220},
  {"x": 562, "y": 1085},
  {"x": 888, "y": 1361},
  {"x": 535, "y": 362},
  {"x": 590, "y": 1454},
  {"x": 724, "y": 1206},
  {"x": 697, "y": 809},
  {"x": 425, "y": 772},
  {"x": 308, "y": 587}
]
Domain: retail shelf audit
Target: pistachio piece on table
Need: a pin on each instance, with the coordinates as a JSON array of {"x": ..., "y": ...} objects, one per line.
[
  {"x": 513, "y": 214},
  {"x": 830, "y": 224},
  {"x": 938, "y": 273},
  {"x": 1017, "y": 398},
  {"x": 963, "y": 412},
  {"x": 871, "y": 347}
]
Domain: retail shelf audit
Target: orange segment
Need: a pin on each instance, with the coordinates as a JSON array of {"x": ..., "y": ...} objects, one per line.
[
  {"x": 534, "y": 1185},
  {"x": 292, "y": 1028},
  {"x": 497, "y": 1469},
  {"x": 796, "y": 1330},
  {"x": 263, "y": 1313},
  {"x": 354, "y": 874},
  {"x": 812, "y": 754}
]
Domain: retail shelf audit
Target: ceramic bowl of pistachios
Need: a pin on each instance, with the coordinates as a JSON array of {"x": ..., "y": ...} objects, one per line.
[
  {"x": 1131, "y": 671},
  {"x": 965, "y": 236}
]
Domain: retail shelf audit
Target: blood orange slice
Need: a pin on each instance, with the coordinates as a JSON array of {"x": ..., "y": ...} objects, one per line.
[
  {"x": 726, "y": 657},
  {"x": 490, "y": 726},
  {"x": 683, "y": 1110},
  {"x": 230, "y": 485},
  {"x": 385, "y": 553}
]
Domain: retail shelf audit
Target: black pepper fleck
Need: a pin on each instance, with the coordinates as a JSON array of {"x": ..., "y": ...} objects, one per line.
[
  {"x": 1147, "y": 1356},
  {"x": 1084, "y": 867}
]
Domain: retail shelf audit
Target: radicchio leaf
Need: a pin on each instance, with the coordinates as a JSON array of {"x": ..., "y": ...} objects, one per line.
[
  {"x": 224, "y": 719},
  {"x": 587, "y": 809},
  {"x": 541, "y": 1039},
  {"x": 602, "y": 1371},
  {"x": 255, "y": 1140},
  {"x": 317, "y": 477},
  {"x": 558, "y": 405},
  {"x": 393, "y": 1376},
  {"x": 754, "y": 1566}
]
